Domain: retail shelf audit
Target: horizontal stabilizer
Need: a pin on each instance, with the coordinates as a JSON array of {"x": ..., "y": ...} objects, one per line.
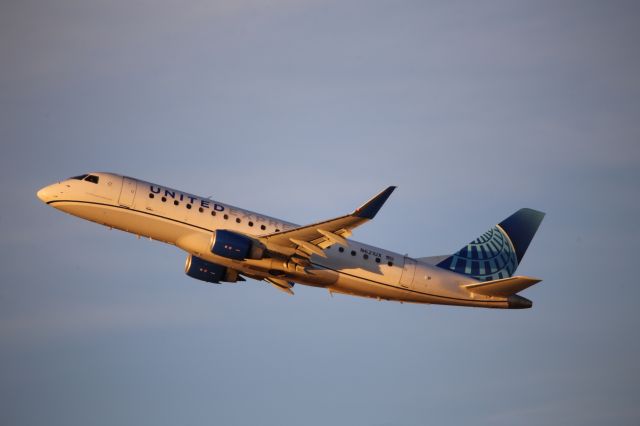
[{"x": 502, "y": 288}]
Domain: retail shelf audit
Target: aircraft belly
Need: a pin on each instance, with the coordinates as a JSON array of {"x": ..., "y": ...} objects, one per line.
[
  {"x": 361, "y": 287},
  {"x": 316, "y": 278},
  {"x": 356, "y": 286}
]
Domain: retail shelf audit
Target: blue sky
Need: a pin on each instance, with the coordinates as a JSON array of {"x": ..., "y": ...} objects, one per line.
[{"x": 302, "y": 110}]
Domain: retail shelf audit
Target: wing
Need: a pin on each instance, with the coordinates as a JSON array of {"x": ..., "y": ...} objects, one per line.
[
  {"x": 312, "y": 239},
  {"x": 282, "y": 285}
]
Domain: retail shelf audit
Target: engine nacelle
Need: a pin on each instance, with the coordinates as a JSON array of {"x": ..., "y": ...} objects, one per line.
[
  {"x": 235, "y": 246},
  {"x": 210, "y": 272}
]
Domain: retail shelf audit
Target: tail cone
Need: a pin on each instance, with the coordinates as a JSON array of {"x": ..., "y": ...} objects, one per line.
[{"x": 519, "y": 302}]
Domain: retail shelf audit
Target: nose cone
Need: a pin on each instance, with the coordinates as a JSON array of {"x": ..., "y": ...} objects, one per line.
[{"x": 45, "y": 194}]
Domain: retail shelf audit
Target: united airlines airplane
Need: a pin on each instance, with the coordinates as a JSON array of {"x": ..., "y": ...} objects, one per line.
[{"x": 225, "y": 244}]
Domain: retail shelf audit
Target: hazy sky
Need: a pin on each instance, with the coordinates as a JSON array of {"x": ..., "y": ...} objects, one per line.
[{"x": 303, "y": 110}]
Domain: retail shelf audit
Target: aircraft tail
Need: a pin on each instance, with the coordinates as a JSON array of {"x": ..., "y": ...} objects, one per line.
[{"x": 497, "y": 253}]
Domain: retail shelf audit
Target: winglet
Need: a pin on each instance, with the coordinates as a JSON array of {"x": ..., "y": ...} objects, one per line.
[{"x": 369, "y": 209}]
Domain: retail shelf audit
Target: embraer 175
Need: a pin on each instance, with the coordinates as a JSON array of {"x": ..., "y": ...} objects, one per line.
[{"x": 225, "y": 243}]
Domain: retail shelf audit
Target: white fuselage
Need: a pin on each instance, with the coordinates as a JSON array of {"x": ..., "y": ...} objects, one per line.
[{"x": 188, "y": 221}]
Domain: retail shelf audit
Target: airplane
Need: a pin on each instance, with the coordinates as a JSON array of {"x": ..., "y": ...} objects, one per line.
[{"x": 225, "y": 243}]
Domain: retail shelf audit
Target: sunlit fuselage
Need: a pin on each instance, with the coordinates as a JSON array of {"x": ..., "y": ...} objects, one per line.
[{"x": 188, "y": 221}]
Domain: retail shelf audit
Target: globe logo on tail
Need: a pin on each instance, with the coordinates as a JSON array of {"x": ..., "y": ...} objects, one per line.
[{"x": 489, "y": 257}]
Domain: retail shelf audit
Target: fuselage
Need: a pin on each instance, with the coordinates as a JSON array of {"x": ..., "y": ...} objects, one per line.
[{"x": 188, "y": 222}]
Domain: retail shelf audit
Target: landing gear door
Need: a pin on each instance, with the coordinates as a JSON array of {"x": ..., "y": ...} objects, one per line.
[
  {"x": 128, "y": 192},
  {"x": 408, "y": 272}
]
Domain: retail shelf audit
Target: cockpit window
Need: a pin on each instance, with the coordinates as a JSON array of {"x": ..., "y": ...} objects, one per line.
[{"x": 88, "y": 178}]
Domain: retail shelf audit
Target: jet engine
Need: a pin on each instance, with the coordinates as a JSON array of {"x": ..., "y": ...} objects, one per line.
[
  {"x": 235, "y": 246},
  {"x": 210, "y": 272}
]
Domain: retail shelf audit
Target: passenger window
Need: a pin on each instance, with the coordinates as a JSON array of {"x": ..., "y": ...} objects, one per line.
[
  {"x": 341, "y": 249},
  {"x": 365, "y": 256},
  {"x": 277, "y": 230},
  {"x": 263, "y": 227},
  {"x": 176, "y": 202},
  {"x": 164, "y": 199},
  {"x": 213, "y": 212},
  {"x": 189, "y": 206},
  {"x": 377, "y": 260},
  {"x": 200, "y": 209},
  {"x": 151, "y": 195},
  {"x": 238, "y": 220},
  {"x": 353, "y": 252},
  {"x": 390, "y": 263},
  {"x": 92, "y": 179},
  {"x": 226, "y": 216},
  {"x": 250, "y": 223}
]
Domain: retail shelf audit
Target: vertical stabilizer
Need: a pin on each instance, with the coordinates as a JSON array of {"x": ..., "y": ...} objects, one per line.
[{"x": 497, "y": 253}]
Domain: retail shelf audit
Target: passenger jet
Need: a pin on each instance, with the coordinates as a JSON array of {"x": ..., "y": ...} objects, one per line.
[{"x": 226, "y": 243}]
